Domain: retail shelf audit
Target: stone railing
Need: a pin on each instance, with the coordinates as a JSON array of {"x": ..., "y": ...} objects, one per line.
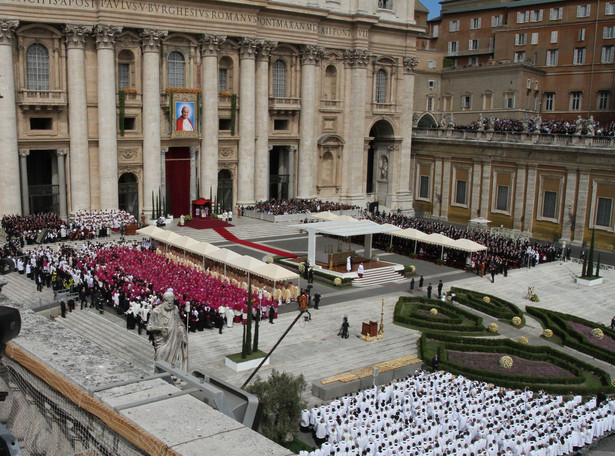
[
  {"x": 285, "y": 103},
  {"x": 41, "y": 97},
  {"x": 605, "y": 142},
  {"x": 330, "y": 105}
]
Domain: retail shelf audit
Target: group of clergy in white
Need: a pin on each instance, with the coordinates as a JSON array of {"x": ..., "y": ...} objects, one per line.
[{"x": 440, "y": 414}]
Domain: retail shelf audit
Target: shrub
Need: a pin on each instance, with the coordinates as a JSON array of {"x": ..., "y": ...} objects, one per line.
[
  {"x": 433, "y": 311},
  {"x": 547, "y": 333},
  {"x": 523, "y": 340},
  {"x": 487, "y": 299},
  {"x": 516, "y": 321},
  {"x": 269, "y": 259},
  {"x": 597, "y": 333},
  {"x": 337, "y": 281},
  {"x": 493, "y": 327},
  {"x": 506, "y": 362},
  {"x": 301, "y": 268}
]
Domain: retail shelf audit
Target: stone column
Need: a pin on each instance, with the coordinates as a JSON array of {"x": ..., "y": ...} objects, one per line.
[
  {"x": 519, "y": 198},
  {"x": 163, "y": 171},
  {"x": 437, "y": 181},
  {"x": 475, "y": 201},
  {"x": 446, "y": 188},
  {"x": 261, "y": 161},
  {"x": 310, "y": 57},
  {"x": 245, "y": 179},
  {"x": 10, "y": 199},
  {"x": 530, "y": 197},
  {"x": 485, "y": 187},
  {"x": 107, "y": 116},
  {"x": 580, "y": 221},
  {"x": 25, "y": 194},
  {"x": 150, "y": 45},
  {"x": 61, "y": 154},
  {"x": 569, "y": 205},
  {"x": 292, "y": 151},
  {"x": 210, "y": 45},
  {"x": 79, "y": 158},
  {"x": 356, "y": 61},
  {"x": 193, "y": 151},
  {"x": 401, "y": 185}
]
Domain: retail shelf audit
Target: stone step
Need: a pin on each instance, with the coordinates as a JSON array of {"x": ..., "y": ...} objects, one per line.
[{"x": 379, "y": 276}]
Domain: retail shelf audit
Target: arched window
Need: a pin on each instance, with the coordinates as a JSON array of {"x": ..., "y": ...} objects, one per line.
[
  {"x": 331, "y": 83},
  {"x": 381, "y": 86},
  {"x": 279, "y": 79},
  {"x": 37, "y": 67},
  {"x": 125, "y": 61},
  {"x": 177, "y": 69},
  {"x": 225, "y": 75}
]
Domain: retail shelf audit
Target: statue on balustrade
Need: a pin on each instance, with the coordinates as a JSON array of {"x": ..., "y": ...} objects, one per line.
[{"x": 169, "y": 333}]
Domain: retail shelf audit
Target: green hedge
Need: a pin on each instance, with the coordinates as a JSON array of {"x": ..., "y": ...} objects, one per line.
[
  {"x": 498, "y": 308},
  {"x": 407, "y": 312},
  {"x": 580, "y": 369},
  {"x": 557, "y": 322}
]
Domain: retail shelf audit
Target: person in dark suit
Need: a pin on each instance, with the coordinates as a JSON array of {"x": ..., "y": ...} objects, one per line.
[
  {"x": 429, "y": 288},
  {"x": 440, "y": 285},
  {"x": 271, "y": 313},
  {"x": 421, "y": 282},
  {"x": 316, "y": 300}
]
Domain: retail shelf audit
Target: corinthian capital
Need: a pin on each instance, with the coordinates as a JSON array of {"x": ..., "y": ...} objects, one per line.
[
  {"x": 410, "y": 63},
  {"x": 247, "y": 48},
  {"x": 265, "y": 48},
  {"x": 105, "y": 35},
  {"x": 311, "y": 54},
  {"x": 7, "y": 30},
  {"x": 151, "y": 39},
  {"x": 76, "y": 34},
  {"x": 210, "y": 44},
  {"x": 357, "y": 57}
]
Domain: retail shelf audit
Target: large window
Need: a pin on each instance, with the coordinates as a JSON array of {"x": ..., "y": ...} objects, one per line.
[
  {"x": 556, "y": 13},
  {"x": 222, "y": 79},
  {"x": 608, "y": 52},
  {"x": 575, "y": 100},
  {"x": 331, "y": 83},
  {"x": 578, "y": 57},
  {"x": 466, "y": 101},
  {"x": 603, "y": 99},
  {"x": 123, "y": 76},
  {"x": 472, "y": 45},
  {"x": 424, "y": 189},
  {"x": 519, "y": 56},
  {"x": 551, "y": 57},
  {"x": 608, "y": 32},
  {"x": 549, "y": 99},
  {"x": 520, "y": 39},
  {"x": 475, "y": 23},
  {"x": 453, "y": 47},
  {"x": 279, "y": 79},
  {"x": 502, "y": 198},
  {"x": 534, "y": 38},
  {"x": 460, "y": 193},
  {"x": 604, "y": 212},
  {"x": 453, "y": 26},
  {"x": 37, "y": 67},
  {"x": 536, "y": 16},
  {"x": 609, "y": 8},
  {"x": 177, "y": 70},
  {"x": 549, "y": 202},
  {"x": 385, "y": 4},
  {"x": 381, "y": 86},
  {"x": 583, "y": 10},
  {"x": 496, "y": 21}
]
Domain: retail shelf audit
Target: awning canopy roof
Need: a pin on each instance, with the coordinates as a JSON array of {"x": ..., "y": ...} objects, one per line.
[{"x": 345, "y": 228}]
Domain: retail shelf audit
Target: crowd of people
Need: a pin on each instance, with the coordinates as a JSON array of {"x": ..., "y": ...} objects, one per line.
[
  {"x": 502, "y": 252},
  {"x": 48, "y": 227},
  {"x": 298, "y": 206},
  {"x": 545, "y": 126},
  {"x": 132, "y": 279},
  {"x": 438, "y": 414}
]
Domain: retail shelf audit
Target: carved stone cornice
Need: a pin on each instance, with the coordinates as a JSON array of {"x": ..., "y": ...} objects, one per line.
[
  {"x": 105, "y": 35},
  {"x": 265, "y": 48},
  {"x": 7, "y": 30},
  {"x": 410, "y": 63},
  {"x": 76, "y": 34},
  {"x": 151, "y": 39},
  {"x": 210, "y": 44},
  {"x": 311, "y": 54},
  {"x": 247, "y": 48},
  {"x": 357, "y": 57}
]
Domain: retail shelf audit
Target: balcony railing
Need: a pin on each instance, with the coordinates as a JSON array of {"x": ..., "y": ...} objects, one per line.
[
  {"x": 331, "y": 105},
  {"x": 285, "y": 103},
  {"x": 604, "y": 142},
  {"x": 41, "y": 97},
  {"x": 384, "y": 108}
]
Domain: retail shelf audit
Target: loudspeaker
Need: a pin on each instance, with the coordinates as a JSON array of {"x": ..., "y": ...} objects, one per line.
[{"x": 10, "y": 323}]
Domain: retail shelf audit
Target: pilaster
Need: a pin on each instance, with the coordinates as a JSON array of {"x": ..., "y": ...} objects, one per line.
[
  {"x": 151, "y": 40},
  {"x": 446, "y": 187},
  {"x": 519, "y": 198},
  {"x": 194, "y": 150},
  {"x": 10, "y": 198},
  {"x": 485, "y": 189},
  {"x": 567, "y": 218},
  {"x": 163, "y": 171},
  {"x": 580, "y": 213},
  {"x": 210, "y": 45},
  {"x": 79, "y": 157},
  {"x": 107, "y": 117},
  {"x": 530, "y": 198}
]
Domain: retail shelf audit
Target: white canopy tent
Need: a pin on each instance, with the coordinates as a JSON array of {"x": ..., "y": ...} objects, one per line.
[
  {"x": 342, "y": 229},
  {"x": 410, "y": 233}
]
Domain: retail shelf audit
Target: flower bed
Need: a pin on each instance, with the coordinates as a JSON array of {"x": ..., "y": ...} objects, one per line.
[
  {"x": 491, "y": 305},
  {"x": 417, "y": 313},
  {"x": 606, "y": 342},
  {"x": 491, "y": 362}
]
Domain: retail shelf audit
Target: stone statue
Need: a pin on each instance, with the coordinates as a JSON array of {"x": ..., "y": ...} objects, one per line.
[
  {"x": 443, "y": 121},
  {"x": 589, "y": 125},
  {"x": 481, "y": 122},
  {"x": 169, "y": 333},
  {"x": 415, "y": 119},
  {"x": 451, "y": 121},
  {"x": 384, "y": 168},
  {"x": 525, "y": 123},
  {"x": 578, "y": 125},
  {"x": 491, "y": 122}
]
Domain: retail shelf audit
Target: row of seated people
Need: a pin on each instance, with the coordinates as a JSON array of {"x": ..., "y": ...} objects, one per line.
[
  {"x": 298, "y": 206},
  {"x": 439, "y": 414}
]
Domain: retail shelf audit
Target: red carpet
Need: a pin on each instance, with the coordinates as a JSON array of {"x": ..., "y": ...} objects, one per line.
[
  {"x": 207, "y": 223},
  {"x": 231, "y": 237}
]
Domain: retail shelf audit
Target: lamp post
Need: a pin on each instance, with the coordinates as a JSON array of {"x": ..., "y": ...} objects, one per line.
[{"x": 187, "y": 308}]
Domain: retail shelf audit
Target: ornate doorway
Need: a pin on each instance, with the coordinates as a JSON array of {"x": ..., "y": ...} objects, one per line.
[
  {"x": 43, "y": 185},
  {"x": 225, "y": 190},
  {"x": 128, "y": 193}
]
